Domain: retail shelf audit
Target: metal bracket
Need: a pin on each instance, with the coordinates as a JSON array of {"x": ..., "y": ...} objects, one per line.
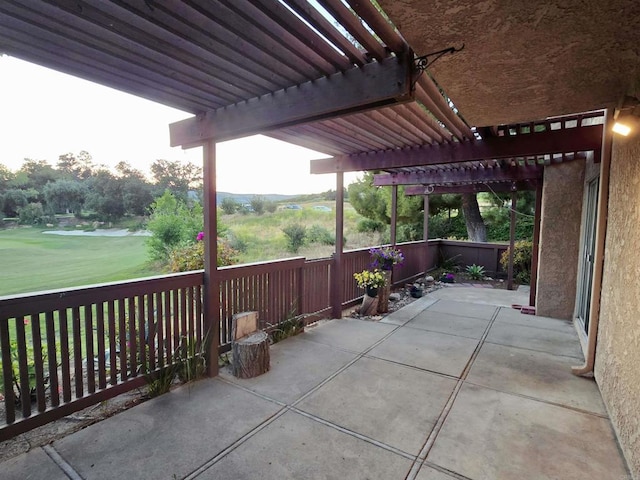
[{"x": 423, "y": 62}]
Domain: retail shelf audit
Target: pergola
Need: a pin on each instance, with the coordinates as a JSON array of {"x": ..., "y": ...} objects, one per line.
[{"x": 333, "y": 76}]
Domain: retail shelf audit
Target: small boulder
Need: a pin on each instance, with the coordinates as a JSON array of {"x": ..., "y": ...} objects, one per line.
[
  {"x": 429, "y": 279},
  {"x": 394, "y": 297}
]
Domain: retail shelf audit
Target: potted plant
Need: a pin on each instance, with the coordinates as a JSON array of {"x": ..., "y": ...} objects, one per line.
[
  {"x": 384, "y": 258},
  {"x": 370, "y": 280}
]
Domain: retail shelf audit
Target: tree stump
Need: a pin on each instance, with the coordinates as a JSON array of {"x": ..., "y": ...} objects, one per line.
[
  {"x": 384, "y": 292},
  {"x": 250, "y": 355},
  {"x": 369, "y": 306}
]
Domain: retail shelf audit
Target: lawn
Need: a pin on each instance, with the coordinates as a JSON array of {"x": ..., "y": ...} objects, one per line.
[{"x": 33, "y": 261}]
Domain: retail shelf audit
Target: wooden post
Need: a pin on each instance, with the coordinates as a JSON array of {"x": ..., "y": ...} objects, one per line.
[
  {"x": 512, "y": 239},
  {"x": 535, "y": 247},
  {"x": 394, "y": 213},
  {"x": 336, "y": 270},
  {"x": 425, "y": 233},
  {"x": 211, "y": 310}
]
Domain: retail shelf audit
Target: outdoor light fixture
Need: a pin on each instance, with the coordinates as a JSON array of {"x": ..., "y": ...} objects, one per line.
[
  {"x": 621, "y": 129},
  {"x": 626, "y": 116}
]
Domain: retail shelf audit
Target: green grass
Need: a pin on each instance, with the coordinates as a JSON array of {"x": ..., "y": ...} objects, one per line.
[{"x": 33, "y": 261}]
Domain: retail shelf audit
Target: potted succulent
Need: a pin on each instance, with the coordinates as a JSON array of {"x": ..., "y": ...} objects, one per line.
[
  {"x": 447, "y": 278},
  {"x": 370, "y": 280}
]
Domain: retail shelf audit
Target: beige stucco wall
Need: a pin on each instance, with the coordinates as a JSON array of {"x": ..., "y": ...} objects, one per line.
[
  {"x": 559, "y": 239},
  {"x": 617, "y": 368}
]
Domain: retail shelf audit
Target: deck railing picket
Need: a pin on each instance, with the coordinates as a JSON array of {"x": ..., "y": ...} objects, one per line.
[
  {"x": 88, "y": 339},
  {"x": 65, "y": 354},
  {"x": 122, "y": 339},
  {"x": 142, "y": 334},
  {"x": 23, "y": 369},
  {"x": 7, "y": 372},
  {"x": 113, "y": 349},
  {"x": 132, "y": 340},
  {"x": 52, "y": 359},
  {"x": 152, "y": 331},
  {"x": 101, "y": 354},
  {"x": 38, "y": 364},
  {"x": 198, "y": 317},
  {"x": 168, "y": 338},
  {"x": 160, "y": 330},
  {"x": 77, "y": 352}
]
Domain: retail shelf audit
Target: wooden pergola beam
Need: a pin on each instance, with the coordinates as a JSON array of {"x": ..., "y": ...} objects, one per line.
[
  {"x": 501, "y": 187},
  {"x": 360, "y": 88},
  {"x": 570, "y": 140},
  {"x": 506, "y": 174}
]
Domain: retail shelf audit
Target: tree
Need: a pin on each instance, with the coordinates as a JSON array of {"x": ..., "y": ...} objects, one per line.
[
  {"x": 13, "y": 200},
  {"x": 6, "y": 177},
  {"x": 105, "y": 195},
  {"x": 137, "y": 196},
  {"x": 65, "y": 196},
  {"x": 177, "y": 177},
  {"x": 475, "y": 224},
  {"x": 257, "y": 204},
  {"x": 173, "y": 223},
  {"x": 35, "y": 174},
  {"x": 229, "y": 205},
  {"x": 75, "y": 167}
]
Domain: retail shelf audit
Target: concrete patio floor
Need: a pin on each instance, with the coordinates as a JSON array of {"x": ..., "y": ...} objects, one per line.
[{"x": 452, "y": 386}]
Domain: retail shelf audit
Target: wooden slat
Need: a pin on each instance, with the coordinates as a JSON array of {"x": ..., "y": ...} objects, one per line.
[
  {"x": 23, "y": 375},
  {"x": 100, "y": 343},
  {"x": 142, "y": 335},
  {"x": 89, "y": 355},
  {"x": 352, "y": 24},
  {"x": 322, "y": 25},
  {"x": 65, "y": 354},
  {"x": 7, "y": 371},
  {"x": 379, "y": 24},
  {"x": 152, "y": 331},
  {"x": 52, "y": 357},
  {"x": 122, "y": 339},
  {"x": 38, "y": 362},
  {"x": 78, "y": 373},
  {"x": 113, "y": 345},
  {"x": 161, "y": 351}
]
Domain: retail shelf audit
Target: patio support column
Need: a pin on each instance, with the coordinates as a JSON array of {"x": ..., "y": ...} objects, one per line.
[
  {"x": 337, "y": 276},
  {"x": 211, "y": 294},
  {"x": 536, "y": 245},
  {"x": 512, "y": 239},
  {"x": 394, "y": 213},
  {"x": 425, "y": 233}
]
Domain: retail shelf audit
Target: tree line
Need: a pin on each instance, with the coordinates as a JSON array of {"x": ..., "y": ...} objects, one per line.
[{"x": 75, "y": 184}]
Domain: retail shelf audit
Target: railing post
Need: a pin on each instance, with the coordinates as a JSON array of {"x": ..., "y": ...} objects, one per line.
[
  {"x": 211, "y": 310},
  {"x": 394, "y": 214},
  {"x": 425, "y": 233},
  {"x": 336, "y": 270},
  {"x": 512, "y": 237},
  {"x": 536, "y": 244}
]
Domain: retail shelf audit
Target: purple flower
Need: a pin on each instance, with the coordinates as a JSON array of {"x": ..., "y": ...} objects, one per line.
[
  {"x": 450, "y": 276},
  {"x": 200, "y": 236}
]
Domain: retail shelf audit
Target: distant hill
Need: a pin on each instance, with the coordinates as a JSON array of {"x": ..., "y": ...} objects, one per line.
[{"x": 246, "y": 197}]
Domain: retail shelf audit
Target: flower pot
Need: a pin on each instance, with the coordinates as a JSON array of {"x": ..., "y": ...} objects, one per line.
[{"x": 372, "y": 291}]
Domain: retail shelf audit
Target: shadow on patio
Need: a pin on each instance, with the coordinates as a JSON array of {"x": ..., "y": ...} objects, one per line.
[{"x": 452, "y": 386}]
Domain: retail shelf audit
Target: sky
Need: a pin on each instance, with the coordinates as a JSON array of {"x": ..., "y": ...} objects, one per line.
[{"x": 44, "y": 114}]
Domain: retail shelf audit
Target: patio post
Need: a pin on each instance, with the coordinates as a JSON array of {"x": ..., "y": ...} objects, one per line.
[
  {"x": 394, "y": 213},
  {"x": 425, "y": 233},
  {"x": 512, "y": 239},
  {"x": 536, "y": 245},
  {"x": 211, "y": 310},
  {"x": 337, "y": 276}
]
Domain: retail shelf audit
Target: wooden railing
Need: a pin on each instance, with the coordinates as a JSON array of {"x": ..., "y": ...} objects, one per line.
[{"x": 64, "y": 350}]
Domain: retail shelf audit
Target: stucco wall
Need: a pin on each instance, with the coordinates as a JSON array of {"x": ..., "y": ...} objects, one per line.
[
  {"x": 617, "y": 367},
  {"x": 559, "y": 239}
]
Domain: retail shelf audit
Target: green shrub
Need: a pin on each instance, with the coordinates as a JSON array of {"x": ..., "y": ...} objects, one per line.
[
  {"x": 229, "y": 205},
  {"x": 321, "y": 235},
  {"x": 367, "y": 225},
  {"x": 441, "y": 226},
  {"x": 32, "y": 214},
  {"x": 191, "y": 256},
  {"x": 296, "y": 236},
  {"x": 522, "y": 253},
  {"x": 475, "y": 272}
]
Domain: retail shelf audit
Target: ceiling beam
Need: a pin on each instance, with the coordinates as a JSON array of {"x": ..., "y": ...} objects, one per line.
[
  {"x": 468, "y": 175},
  {"x": 569, "y": 140},
  {"x": 360, "y": 88},
  {"x": 501, "y": 187}
]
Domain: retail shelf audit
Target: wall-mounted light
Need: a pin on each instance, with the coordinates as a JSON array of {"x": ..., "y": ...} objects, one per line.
[
  {"x": 621, "y": 129},
  {"x": 626, "y": 116}
]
